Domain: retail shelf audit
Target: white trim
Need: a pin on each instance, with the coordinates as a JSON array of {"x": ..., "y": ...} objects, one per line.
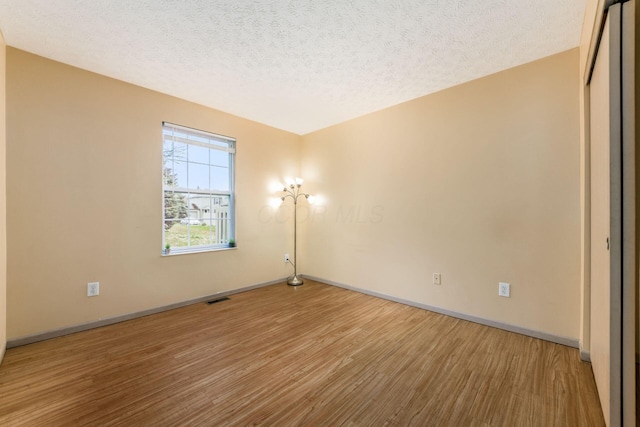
[
  {"x": 29, "y": 339},
  {"x": 168, "y": 130},
  {"x": 629, "y": 256},
  {"x": 596, "y": 35},
  {"x": 569, "y": 342},
  {"x": 54, "y": 333},
  {"x": 199, "y": 249}
]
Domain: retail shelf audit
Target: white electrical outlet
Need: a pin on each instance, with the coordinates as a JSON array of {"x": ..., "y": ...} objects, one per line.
[
  {"x": 436, "y": 279},
  {"x": 504, "y": 290},
  {"x": 93, "y": 289},
  {"x": 286, "y": 258}
]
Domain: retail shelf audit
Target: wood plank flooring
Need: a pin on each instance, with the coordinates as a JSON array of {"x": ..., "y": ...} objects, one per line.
[{"x": 315, "y": 355}]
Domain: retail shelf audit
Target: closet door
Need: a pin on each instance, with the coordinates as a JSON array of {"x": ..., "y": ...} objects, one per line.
[{"x": 613, "y": 235}]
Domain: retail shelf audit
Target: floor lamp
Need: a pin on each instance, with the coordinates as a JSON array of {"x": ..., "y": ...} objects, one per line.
[{"x": 293, "y": 191}]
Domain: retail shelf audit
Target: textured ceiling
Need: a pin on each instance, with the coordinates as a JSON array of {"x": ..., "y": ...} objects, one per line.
[{"x": 295, "y": 65}]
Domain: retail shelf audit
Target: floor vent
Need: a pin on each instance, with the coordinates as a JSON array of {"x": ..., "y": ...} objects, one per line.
[{"x": 213, "y": 301}]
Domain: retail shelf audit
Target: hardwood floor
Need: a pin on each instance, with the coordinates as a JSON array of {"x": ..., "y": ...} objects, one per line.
[{"x": 315, "y": 355}]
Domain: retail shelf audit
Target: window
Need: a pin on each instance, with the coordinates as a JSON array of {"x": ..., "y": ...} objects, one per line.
[{"x": 198, "y": 187}]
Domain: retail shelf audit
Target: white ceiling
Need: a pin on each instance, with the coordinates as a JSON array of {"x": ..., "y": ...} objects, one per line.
[{"x": 296, "y": 65}]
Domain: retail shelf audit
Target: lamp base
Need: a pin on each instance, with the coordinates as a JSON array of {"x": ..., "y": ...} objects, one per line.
[{"x": 294, "y": 281}]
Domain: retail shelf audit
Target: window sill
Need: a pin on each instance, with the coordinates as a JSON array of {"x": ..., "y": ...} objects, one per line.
[{"x": 199, "y": 251}]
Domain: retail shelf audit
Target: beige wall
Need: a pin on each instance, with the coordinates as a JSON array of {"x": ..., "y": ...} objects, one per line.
[
  {"x": 3, "y": 202},
  {"x": 84, "y": 198},
  {"x": 480, "y": 183}
]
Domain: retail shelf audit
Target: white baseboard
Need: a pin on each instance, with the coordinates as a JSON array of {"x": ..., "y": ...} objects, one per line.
[
  {"x": 585, "y": 356},
  {"x": 570, "y": 342},
  {"x": 29, "y": 339}
]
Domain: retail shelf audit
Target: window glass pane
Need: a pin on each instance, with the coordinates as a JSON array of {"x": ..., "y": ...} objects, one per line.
[
  {"x": 207, "y": 219},
  {"x": 187, "y": 229},
  {"x": 199, "y": 154},
  {"x": 219, "y": 178},
  {"x": 167, "y": 150},
  {"x": 180, "y": 172},
  {"x": 175, "y": 210},
  {"x": 177, "y": 236},
  {"x": 198, "y": 176},
  {"x": 219, "y": 158},
  {"x": 179, "y": 151},
  {"x": 194, "y": 225},
  {"x": 207, "y": 211},
  {"x": 219, "y": 218},
  {"x": 169, "y": 178},
  {"x": 195, "y": 220}
]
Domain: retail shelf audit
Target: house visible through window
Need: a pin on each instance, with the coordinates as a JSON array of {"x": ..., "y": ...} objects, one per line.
[{"x": 197, "y": 178}]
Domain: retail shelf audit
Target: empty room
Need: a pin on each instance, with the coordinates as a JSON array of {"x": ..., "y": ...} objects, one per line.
[{"x": 299, "y": 213}]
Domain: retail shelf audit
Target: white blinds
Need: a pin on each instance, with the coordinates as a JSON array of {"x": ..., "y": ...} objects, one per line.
[{"x": 177, "y": 133}]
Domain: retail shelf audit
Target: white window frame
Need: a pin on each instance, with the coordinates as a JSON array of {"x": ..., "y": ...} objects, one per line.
[{"x": 176, "y": 133}]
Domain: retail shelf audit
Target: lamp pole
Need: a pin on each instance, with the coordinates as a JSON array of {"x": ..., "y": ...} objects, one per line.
[{"x": 293, "y": 191}]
